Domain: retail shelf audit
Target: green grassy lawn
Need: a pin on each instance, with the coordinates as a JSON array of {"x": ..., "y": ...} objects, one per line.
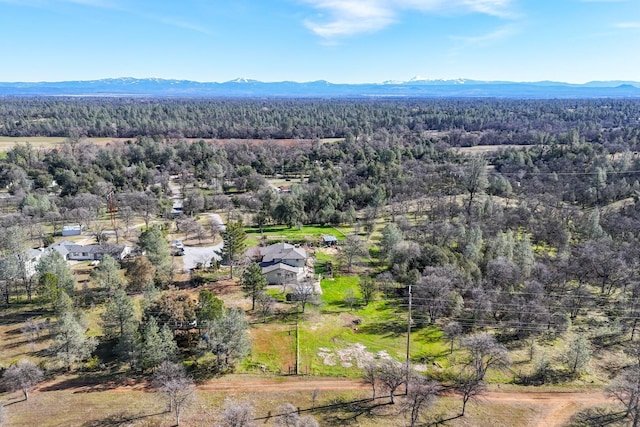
[
  {"x": 329, "y": 325},
  {"x": 308, "y": 233}
]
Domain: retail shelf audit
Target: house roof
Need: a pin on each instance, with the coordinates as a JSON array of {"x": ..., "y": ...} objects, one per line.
[
  {"x": 282, "y": 251},
  {"x": 35, "y": 254},
  {"x": 329, "y": 238},
  {"x": 279, "y": 266},
  {"x": 62, "y": 247},
  {"x": 95, "y": 249}
]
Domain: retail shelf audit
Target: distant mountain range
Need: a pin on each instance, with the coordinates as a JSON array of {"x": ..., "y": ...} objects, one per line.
[{"x": 245, "y": 88}]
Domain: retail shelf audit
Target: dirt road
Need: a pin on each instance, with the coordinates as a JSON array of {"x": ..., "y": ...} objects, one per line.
[
  {"x": 556, "y": 408},
  {"x": 549, "y": 409},
  {"x": 553, "y": 408}
]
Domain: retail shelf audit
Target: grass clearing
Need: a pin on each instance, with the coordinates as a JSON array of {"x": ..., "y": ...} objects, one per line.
[
  {"x": 46, "y": 142},
  {"x": 305, "y": 234},
  {"x": 273, "y": 348}
]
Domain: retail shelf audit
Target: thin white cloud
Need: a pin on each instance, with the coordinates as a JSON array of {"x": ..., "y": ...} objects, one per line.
[
  {"x": 178, "y": 23},
  {"x": 114, "y": 5},
  {"x": 628, "y": 25},
  {"x": 483, "y": 39},
  {"x": 349, "y": 17},
  {"x": 95, "y": 3}
]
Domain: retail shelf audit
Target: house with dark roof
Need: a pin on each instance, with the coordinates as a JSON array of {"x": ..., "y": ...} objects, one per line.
[
  {"x": 283, "y": 263},
  {"x": 61, "y": 248}
]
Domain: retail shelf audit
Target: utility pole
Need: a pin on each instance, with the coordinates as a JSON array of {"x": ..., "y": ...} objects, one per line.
[
  {"x": 408, "y": 342},
  {"x": 111, "y": 205},
  {"x": 297, "y": 347}
]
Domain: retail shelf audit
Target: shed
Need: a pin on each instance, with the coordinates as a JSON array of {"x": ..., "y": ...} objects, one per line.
[
  {"x": 329, "y": 240},
  {"x": 71, "y": 230}
]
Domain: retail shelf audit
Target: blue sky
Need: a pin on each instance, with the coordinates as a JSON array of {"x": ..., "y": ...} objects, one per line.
[{"x": 342, "y": 41}]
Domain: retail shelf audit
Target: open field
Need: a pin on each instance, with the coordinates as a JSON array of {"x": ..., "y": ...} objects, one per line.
[
  {"x": 45, "y": 142},
  {"x": 485, "y": 149},
  {"x": 49, "y": 142}
]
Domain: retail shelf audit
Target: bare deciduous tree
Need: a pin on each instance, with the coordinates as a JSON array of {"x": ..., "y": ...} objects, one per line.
[
  {"x": 350, "y": 298},
  {"x": 353, "y": 247},
  {"x": 31, "y": 329},
  {"x": 485, "y": 353},
  {"x": 469, "y": 387},
  {"x": 475, "y": 179},
  {"x": 23, "y": 376},
  {"x": 421, "y": 394},
  {"x": 370, "y": 376},
  {"x": 287, "y": 416},
  {"x": 303, "y": 293},
  {"x": 391, "y": 374},
  {"x": 173, "y": 381},
  {"x": 452, "y": 330},
  {"x": 626, "y": 388},
  {"x": 266, "y": 305},
  {"x": 237, "y": 414}
]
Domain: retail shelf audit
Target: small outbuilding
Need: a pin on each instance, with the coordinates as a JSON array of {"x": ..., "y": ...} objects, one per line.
[
  {"x": 71, "y": 230},
  {"x": 329, "y": 240}
]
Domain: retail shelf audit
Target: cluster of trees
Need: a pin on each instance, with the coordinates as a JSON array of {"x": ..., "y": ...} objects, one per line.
[{"x": 141, "y": 342}]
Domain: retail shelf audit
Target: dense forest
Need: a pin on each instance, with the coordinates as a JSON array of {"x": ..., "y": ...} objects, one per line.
[
  {"x": 532, "y": 239},
  {"x": 500, "y": 120}
]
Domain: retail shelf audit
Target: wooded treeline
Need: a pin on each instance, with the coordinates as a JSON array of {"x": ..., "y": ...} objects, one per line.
[{"x": 501, "y": 121}]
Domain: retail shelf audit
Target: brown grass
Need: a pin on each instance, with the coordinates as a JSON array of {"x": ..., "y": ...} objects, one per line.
[
  {"x": 485, "y": 149},
  {"x": 331, "y": 408},
  {"x": 47, "y": 143}
]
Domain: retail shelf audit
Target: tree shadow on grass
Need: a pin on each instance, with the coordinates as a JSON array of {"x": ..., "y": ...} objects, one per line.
[
  {"x": 429, "y": 357},
  {"x": 17, "y": 317},
  {"x": 121, "y": 419},
  {"x": 387, "y": 328},
  {"x": 549, "y": 376},
  {"x": 350, "y": 413},
  {"x": 598, "y": 417},
  {"x": 341, "y": 412},
  {"x": 96, "y": 382}
]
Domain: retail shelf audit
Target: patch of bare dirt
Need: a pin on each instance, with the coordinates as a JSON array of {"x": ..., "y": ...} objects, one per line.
[{"x": 555, "y": 408}]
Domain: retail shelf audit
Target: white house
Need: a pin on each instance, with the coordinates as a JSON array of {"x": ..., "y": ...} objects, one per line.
[
  {"x": 33, "y": 258},
  {"x": 96, "y": 252}
]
